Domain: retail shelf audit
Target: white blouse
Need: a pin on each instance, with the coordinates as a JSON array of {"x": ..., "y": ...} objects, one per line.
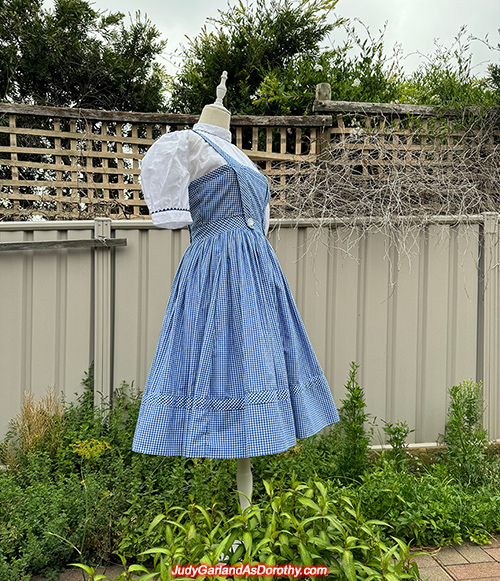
[{"x": 174, "y": 161}]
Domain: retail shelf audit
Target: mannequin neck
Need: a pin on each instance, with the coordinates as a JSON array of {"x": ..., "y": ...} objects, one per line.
[{"x": 214, "y": 115}]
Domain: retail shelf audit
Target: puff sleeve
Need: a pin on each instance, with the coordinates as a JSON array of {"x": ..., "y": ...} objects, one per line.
[{"x": 165, "y": 180}]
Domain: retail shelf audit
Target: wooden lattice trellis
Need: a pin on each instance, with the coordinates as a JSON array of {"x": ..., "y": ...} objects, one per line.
[
  {"x": 62, "y": 163},
  {"x": 72, "y": 163},
  {"x": 377, "y": 137}
]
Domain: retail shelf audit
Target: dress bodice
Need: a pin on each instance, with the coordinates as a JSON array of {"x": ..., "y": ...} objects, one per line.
[{"x": 232, "y": 194}]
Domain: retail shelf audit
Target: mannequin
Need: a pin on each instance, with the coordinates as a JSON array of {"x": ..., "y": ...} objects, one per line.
[
  {"x": 217, "y": 114},
  {"x": 234, "y": 373}
]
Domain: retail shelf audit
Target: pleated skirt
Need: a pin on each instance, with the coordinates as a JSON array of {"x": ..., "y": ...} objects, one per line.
[{"x": 234, "y": 374}]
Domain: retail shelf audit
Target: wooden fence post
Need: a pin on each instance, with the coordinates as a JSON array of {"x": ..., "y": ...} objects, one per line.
[
  {"x": 103, "y": 315},
  {"x": 323, "y": 93}
]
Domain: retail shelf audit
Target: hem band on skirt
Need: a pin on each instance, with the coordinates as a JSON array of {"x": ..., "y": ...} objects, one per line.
[{"x": 264, "y": 422}]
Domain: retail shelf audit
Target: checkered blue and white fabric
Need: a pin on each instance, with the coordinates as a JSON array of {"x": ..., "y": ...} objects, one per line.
[{"x": 234, "y": 374}]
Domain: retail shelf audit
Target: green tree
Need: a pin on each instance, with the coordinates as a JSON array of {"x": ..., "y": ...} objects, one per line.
[
  {"x": 446, "y": 79},
  {"x": 495, "y": 76},
  {"x": 367, "y": 75},
  {"x": 74, "y": 55},
  {"x": 249, "y": 41}
]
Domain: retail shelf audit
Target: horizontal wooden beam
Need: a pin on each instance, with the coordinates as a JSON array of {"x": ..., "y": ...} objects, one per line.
[
  {"x": 161, "y": 118},
  {"x": 282, "y": 121},
  {"x": 51, "y": 244},
  {"x": 68, "y": 184},
  {"x": 69, "y": 152},
  {"x": 70, "y": 168},
  {"x": 97, "y": 114},
  {"x": 387, "y": 109},
  {"x": 82, "y": 135},
  {"x": 372, "y": 108}
]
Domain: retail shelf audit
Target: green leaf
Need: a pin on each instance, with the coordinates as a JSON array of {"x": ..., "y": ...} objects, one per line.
[
  {"x": 333, "y": 520},
  {"x": 377, "y": 522},
  {"x": 348, "y": 566},
  {"x": 320, "y": 543},
  {"x": 164, "y": 572},
  {"x": 204, "y": 513},
  {"x": 283, "y": 538},
  {"x": 310, "y": 519},
  {"x": 352, "y": 542},
  {"x": 386, "y": 559},
  {"x": 262, "y": 543},
  {"x": 224, "y": 546},
  {"x": 310, "y": 503},
  {"x": 178, "y": 525},
  {"x": 304, "y": 554},
  {"x": 137, "y": 568},
  {"x": 155, "y": 522},
  {"x": 237, "y": 555},
  {"x": 147, "y": 577},
  {"x": 156, "y": 551},
  {"x": 247, "y": 541},
  {"x": 169, "y": 535},
  {"x": 321, "y": 487},
  {"x": 392, "y": 577},
  {"x": 89, "y": 570},
  {"x": 122, "y": 559}
]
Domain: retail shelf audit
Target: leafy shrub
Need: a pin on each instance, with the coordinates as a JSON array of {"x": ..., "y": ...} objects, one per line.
[
  {"x": 303, "y": 525},
  {"x": 28, "y": 514},
  {"x": 397, "y": 433},
  {"x": 446, "y": 79},
  {"x": 90, "y": 497},
  {"x": 13, "y": 570},
  {"x": 312, "y": 457},
  {"x": 464, "y": 435},
  {"x": 367, "y": 76},
  {"x": 429, "y": 507},
  {"x": 247, "y": 40},
  {"x": 354, "y": 441}
]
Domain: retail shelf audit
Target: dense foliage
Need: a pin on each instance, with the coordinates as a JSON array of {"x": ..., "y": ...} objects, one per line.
[
  {"x": 74, "y": 491},
  {"x": 357, "y": 70},
  {"x": 275, "y": 53},
  {"x": 446, "y": 78},
  {"x": 248, "y": 41},
  {"x": 75, "y": 56}
]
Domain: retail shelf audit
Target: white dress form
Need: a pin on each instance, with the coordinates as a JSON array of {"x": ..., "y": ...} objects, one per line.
[{"x": 217, "y": 114}]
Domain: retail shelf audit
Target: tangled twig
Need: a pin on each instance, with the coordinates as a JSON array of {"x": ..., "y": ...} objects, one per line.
[{"x": 396, "y": 177}]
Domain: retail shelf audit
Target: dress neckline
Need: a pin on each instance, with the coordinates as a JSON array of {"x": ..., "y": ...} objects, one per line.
[{"x": 224, "y": 134}]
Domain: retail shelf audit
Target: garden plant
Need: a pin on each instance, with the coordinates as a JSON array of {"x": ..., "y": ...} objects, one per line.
[{"x": 74, "y": 492}]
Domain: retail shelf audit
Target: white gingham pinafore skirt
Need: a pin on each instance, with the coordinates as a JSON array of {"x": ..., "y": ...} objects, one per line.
[{"x": 234, "y": 374}]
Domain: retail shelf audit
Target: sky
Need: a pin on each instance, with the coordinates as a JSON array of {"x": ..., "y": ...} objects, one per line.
[{"x": 414, "y": 24}]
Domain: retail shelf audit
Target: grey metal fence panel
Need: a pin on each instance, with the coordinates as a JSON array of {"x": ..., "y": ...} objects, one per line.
[
  {"x": 415, "y": 325},
  {"x": 45, "y": 328},
  {"x": 144, "y": 272}
]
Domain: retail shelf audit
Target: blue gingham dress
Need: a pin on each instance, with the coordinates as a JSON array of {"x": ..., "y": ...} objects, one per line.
[{"x": 234, "y": 374}]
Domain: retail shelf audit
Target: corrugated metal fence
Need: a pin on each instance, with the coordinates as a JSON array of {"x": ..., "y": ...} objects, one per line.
[{"x": 415, "y": 325}]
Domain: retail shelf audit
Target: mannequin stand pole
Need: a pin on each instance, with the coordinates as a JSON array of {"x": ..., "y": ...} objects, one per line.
[{"x": 244, "y": 482}]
